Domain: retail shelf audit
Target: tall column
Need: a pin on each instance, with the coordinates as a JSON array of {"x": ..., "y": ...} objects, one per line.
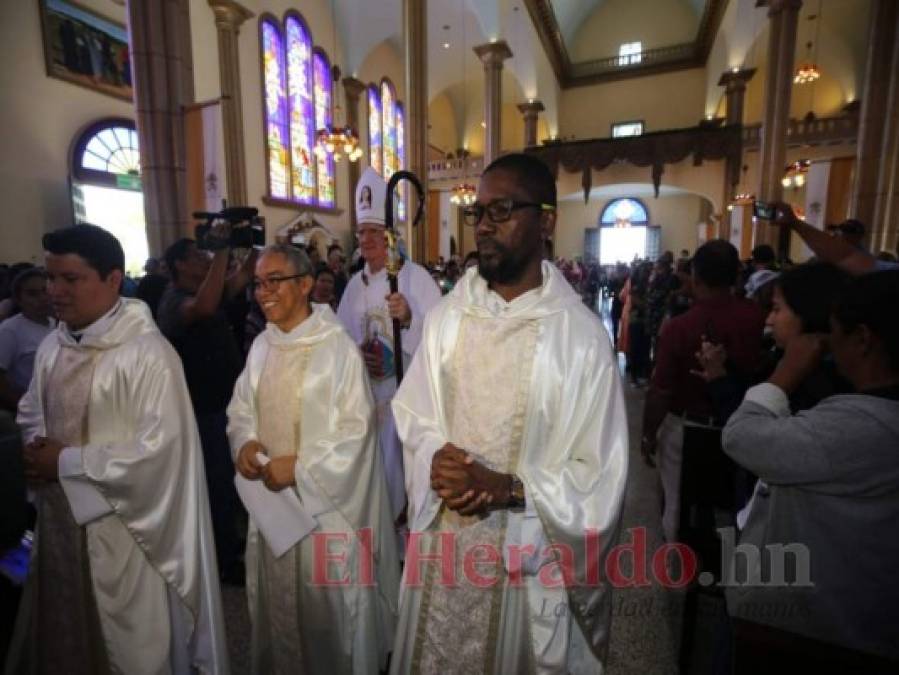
[
  {"x": 530, "y": 111},
  {"x": 868, "y": 186},
  {"x": 352, "y": 90},
  {"x": 162, "y": 75},
  {"x": 734, "y": 82},
  {"x": 784, "y": 17},
  {"x": 492, "y": 56},
  {"x": 415, "y": 39},
  {"x": 886, "y": 216},
  {"x": 229, "y": 16}
]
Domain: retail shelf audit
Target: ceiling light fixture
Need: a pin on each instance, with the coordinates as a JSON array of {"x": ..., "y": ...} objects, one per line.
[
  {"x": 808, "y": 70},
  {"x": 334, "y": 140}
]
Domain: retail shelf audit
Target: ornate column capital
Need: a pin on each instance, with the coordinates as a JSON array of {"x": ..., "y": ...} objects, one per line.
[
  {"x": 492, "y": 54},
  {"x": 353, "y": 88},
  {"x": 229, "y": 14},
  {"x": 777, "y": 6},
  {"x": 735, "y": 79},
  {"x": 532, "y": 107}
]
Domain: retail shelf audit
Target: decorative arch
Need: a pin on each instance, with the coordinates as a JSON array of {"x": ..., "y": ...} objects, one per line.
[
  {"x": 624, "y": 212},
  {"x": 106, "y": 152}
]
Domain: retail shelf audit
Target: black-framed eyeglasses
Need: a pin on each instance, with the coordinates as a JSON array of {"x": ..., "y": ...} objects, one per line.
[
  {"x": 499, "y": 210},
  {"x": 272, "y": 283}
]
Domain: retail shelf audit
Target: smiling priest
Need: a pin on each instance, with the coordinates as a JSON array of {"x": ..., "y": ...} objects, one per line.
[
  {"x": 123, "y": 578},
  {"x": 322, "y": 567},
  {"x": 515, "y": 440}
]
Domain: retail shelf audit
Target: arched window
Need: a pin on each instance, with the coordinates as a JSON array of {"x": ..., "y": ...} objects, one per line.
[
  {"x": 321, "y": 70},
  {"x": 302, "y": 114},
  {"x": 388, "y": 127},
  {"x": 298, "y": 94},
  {"x": 276, "y": 117},
  {"x": 386, "y": 139},
  {"x": 374, "y": 130},
  {"x": 401, "y": 155},
  {"x": 106, "y": 186},
  {"x": 624, "y": 212}
]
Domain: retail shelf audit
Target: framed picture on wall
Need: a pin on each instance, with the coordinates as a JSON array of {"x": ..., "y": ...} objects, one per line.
[{"x": 85, "y": 48}]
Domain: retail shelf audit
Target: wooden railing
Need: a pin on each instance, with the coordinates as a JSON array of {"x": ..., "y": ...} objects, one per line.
[
  {"x": 452, "y": 169},
  {"x": 823, "y": 131},
  {"x": 646, "y": 59}
]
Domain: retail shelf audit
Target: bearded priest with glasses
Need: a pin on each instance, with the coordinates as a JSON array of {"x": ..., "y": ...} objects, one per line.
[
  {"x": 322, "y": 567},
  {"x": 515, "y": 442}
]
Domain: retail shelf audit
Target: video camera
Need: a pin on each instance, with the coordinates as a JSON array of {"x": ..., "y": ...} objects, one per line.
[{"x": 247, "y": 229}]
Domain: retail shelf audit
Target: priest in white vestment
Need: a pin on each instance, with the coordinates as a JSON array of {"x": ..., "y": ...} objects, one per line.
[
  {"x": 367, "y": 313},
  {"x": 301, "y": 426},
  {"x": 123, "y": 577},
  {"x": 515, "y": 439}
]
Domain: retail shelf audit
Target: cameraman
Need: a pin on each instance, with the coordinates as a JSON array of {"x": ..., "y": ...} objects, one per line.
[{"x": 192, "y": 316}]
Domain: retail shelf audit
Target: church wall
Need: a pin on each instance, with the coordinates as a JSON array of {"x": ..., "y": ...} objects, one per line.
[
  {"x": 442, "y": 124},
  {"x": 666, "y": 101},
  {"x": 40, "y": 117},
  {"x": 619, "y": 21}
]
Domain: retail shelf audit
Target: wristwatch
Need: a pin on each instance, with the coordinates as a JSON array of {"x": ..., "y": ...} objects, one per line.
[{"x": 516, "y": 493}]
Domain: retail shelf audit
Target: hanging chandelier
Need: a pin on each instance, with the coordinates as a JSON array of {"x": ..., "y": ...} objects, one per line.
[
  {"x": 794, "y": 174},
  {"x": 464, "y": 194},
  {"x": 333, "y": 140},
  {"x": 807, "y": 72},
  {"x": 808, "y": 69},
  {"x": 336, "y": 142}
]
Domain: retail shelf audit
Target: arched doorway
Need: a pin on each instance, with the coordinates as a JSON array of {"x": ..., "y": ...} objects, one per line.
[
  {"x": 106, "y": 186},
  {"x": 624, "y": 232}
]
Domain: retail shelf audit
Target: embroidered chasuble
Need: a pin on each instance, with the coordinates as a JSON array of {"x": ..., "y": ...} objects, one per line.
[
  {"x": 66, "y": 625},
  {"x": 486, "y": 405},
  {"x": 304, "y": 394},
  {"x": 123, "y": 573},
  {"x": 528, "y": 387}
]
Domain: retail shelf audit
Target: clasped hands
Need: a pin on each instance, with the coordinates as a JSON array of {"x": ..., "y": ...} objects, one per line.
[
  {"x": 465, "y": 485},
  {"x": 42, "y": 459},
  {"x": 276, "y": 475}
]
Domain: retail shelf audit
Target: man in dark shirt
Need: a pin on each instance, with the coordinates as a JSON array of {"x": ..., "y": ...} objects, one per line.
[
  {"x": 191, "y": 315},
  {"x": 679, "y": 416}
]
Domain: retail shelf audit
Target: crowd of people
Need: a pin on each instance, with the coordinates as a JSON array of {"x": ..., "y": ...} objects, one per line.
[{"x": 292, "y": 424}]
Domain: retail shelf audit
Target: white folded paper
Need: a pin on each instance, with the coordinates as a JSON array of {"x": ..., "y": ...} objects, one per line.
[
  {"x": 280, "y": 516},
  {"x": 86, "y": 501}
]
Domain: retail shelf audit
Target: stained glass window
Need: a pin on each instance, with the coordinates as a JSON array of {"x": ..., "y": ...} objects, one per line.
[
  {"x": 276, "y": 123},
  {"x": 325, "y": 165},
  {"x": 388, "y": 128},
  {"x": 624, "y": 212},
  {"x": 374, "y": 130},
  {"x": 401, "y": 156},
  {"x": 302, "y": 117},
  {"x": 298, "y": 100}
]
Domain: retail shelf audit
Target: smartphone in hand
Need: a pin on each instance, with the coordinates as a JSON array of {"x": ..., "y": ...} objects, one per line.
[{"x": 763, "y": 210}]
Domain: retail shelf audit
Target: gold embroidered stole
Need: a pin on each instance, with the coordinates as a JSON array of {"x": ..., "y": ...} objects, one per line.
[
  {"x": 279, "y": 406},
  {"x": 66, "y": 634},
  {"x": 486, "y": 405}
]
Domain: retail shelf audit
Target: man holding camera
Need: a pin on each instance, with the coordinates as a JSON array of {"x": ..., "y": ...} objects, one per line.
[{"x": 191, "y": 315}]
